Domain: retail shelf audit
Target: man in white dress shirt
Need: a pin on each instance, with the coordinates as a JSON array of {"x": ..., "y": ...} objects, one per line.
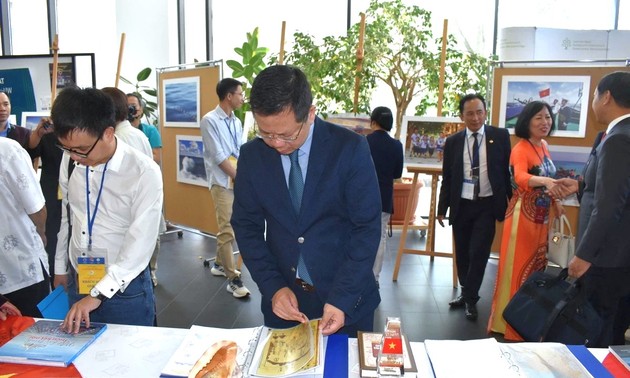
[
  {"x": 115, "y": 199},
  {"x": 23, "y": 260},
  {"x": 221, "y": 132}
]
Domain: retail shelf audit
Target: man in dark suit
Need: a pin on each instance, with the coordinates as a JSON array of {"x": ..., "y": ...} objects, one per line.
[
  {"x": 602, "y": 257},
  {"x": 306, "y": 211},
  {"x": 476, "y": 187}
]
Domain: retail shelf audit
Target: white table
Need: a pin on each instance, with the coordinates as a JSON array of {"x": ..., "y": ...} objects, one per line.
[{"x": 136, "y": 352}]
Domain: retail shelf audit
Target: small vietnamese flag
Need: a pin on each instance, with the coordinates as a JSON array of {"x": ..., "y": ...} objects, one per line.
[
  {"x": 544, "y": 92},
  {"x": 392, "y": 345}
]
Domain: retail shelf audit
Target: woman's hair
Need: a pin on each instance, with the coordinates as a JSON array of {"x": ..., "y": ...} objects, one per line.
[
  {"x": 383, "y": 117},
  {"x": 521, "y": 129}
]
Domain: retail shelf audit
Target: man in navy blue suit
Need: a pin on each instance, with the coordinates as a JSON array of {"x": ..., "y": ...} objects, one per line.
[
  {"x": 307, "y": 211},
  {"x": 476, "y": 188}
]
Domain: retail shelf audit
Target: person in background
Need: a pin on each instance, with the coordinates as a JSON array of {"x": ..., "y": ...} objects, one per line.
[
  {"x": 221, "y": 132},
  {"x": 24, "y": 277},
  {"x": 526, "y": 226},
  {"x": 7, "y": 308},
  {"x": 307, "y": 211},
  {"x": 476, "y": 187},
  {"x": 17, "y": 133},
  {"x": 134, "y": 101},
  {"x": 43, "y": 145},
  {"x": 124, "y": 131},
  {"x": 439, "y": 146},
  {"x": 136, "y": 106},
  {"x": 114, "y": 196},
  {"x": 388, "y": 155},
  {"x": 602, "y": 255}
]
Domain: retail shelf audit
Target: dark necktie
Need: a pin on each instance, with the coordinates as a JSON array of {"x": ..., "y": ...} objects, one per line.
[
  {"x": 475, "y": 156},
  {"x": 475, "y": 166},
  {"x": 296, "y": 189}
]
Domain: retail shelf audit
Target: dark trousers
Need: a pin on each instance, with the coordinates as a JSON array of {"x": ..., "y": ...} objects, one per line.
[
  {"x": 26, "y": 299},
  {"x": 473, "y": 231},
  {"x": 606, "y": 288}
]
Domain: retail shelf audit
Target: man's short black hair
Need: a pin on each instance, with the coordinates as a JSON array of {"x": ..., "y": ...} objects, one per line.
[
  {"x": 468, "y": 97},
  {"x": 281, "y": 88},
  {"x": 88, "y": 109},
  {"x": 618, "y": 83},
  {"x": 226, "y": 86}
]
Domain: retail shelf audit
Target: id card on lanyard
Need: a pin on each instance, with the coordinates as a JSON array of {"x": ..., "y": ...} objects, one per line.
[{"x": 92, "y": 262}]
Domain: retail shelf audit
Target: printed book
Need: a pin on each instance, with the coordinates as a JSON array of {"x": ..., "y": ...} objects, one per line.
[
  {"x": 622, "y": 352},
  {"x": 45, "y": 343}
]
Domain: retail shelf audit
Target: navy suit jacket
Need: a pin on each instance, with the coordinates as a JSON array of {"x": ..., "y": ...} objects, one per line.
[
  {"x": 337, "y": 231},
  {"x": 388, "y": 156},
  {"x": 604, "y": 218},
  {"x": 498, "y": 150}
]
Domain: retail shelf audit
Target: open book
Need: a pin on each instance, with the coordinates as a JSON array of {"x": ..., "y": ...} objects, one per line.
[{"x": 257, "y": 351}]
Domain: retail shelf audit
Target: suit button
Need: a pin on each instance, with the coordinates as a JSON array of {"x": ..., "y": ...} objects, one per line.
[
  {"x": 300, "y": 240},
  {"x": 293, "y": 269}
]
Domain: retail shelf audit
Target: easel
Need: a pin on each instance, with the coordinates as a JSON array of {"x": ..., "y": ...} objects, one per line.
[
  {"x": 435, "y": 173},
  {"x": 429, "y": 249}
]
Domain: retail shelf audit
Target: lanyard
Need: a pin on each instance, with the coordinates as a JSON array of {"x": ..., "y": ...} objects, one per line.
[
  {"x": 542, "y": 162},
  {"x": 230, "y": 130},
  {"x": 470, "y": 155},
  {"x": 98, "y": 199}
]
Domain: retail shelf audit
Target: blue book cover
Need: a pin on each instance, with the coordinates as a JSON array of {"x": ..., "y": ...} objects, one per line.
[
  {"x": 45, "y": 343},
  {"x": 589, "y": 361},
  {"x": 55, "y": 305}
]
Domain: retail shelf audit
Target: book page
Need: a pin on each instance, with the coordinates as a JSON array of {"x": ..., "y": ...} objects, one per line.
[
  {"x": 543, "y": 360},
  {"x": 289, "y": 351},
  {"x": 199, "y": 339}
]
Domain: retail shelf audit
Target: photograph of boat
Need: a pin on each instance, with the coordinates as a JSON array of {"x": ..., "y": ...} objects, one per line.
[{"x": 567, "y": 95}]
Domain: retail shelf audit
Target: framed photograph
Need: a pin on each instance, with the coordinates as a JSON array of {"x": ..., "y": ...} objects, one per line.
[
  {"x": 65, "y": 74},
  {"x": 359, "y": 123},
  {"x": 569, "y": 162},
  {"x": 423, "y": 138},
  {"x": 31, "y": 119},
  {"x": 190, "y": 166},
  {"x": 181, "y": 102},
  {"x": 567, "y": 95}
]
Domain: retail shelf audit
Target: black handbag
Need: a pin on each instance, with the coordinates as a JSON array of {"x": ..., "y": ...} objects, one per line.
[{"x": 549, "y": 308}]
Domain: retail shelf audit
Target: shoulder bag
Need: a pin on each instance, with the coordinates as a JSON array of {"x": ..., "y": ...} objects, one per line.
[{"x": 549, "y": 308}]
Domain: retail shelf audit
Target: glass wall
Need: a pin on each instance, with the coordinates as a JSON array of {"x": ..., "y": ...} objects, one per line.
[{"x": 29, "y": 27}]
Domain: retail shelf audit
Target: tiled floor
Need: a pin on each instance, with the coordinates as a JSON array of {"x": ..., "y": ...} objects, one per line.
[{"x": 189, "y": 294}]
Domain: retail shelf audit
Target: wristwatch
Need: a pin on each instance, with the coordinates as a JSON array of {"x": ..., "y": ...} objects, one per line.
[{"x": 94, "y": 293}]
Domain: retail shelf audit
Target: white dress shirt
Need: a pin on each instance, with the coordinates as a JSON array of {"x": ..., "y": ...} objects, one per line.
[
  {"x": 485, "y": 190},
  {"x": 22, "y": 251},
  {"x": 221, "y": 135},
  {"x": 133, "y": 137},
  {"x": 128, "y": 216}
]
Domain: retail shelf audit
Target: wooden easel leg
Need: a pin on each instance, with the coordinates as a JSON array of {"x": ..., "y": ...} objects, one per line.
[{"x": 403, "y": 234}]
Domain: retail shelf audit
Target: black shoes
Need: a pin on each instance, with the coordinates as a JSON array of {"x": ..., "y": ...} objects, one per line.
[
  {"x": 471, "y": 311},
  {"x": 457, "y": 302},
  {"x": 470, "y": 308}
]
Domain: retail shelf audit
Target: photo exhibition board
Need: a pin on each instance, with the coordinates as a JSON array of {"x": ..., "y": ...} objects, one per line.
[{"x": 187, "y": 199}]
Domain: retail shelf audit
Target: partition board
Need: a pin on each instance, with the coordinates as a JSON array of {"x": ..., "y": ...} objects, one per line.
[
  {"x": 185, "y": 204},
  {"x": 592, "y": 126}
]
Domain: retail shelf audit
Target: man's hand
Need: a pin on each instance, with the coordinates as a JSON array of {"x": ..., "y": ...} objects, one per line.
[
  {"x": 284, "y": 304},
  {"x": 8, "y": 309},
  {"x": 61, "y": 279},
  {"x": 440, "y": 219},
  {"x": 577, "y": 267},
  {"x": 80, "y": 312},
  {"x": 332, "y": 320}
]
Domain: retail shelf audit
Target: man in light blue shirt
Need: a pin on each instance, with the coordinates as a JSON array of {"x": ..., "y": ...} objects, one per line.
[{"x": 221, "y": 132}]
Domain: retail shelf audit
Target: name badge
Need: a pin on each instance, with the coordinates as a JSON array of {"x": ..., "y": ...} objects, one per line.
[
  {"x": 91, "y": 268},
  {"x": 468, "y": 189}
]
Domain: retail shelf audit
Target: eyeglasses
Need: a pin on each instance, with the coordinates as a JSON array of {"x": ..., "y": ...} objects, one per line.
[
  {"x": 79, "y": 154},
  {"x": 272, "y": 137},
  {"x": 242, "y": 94}
]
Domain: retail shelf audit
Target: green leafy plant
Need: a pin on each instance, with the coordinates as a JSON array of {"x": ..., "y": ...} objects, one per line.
[
  {"x": 252, "y": 62},
  {"x": 147, "y": 93}
]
